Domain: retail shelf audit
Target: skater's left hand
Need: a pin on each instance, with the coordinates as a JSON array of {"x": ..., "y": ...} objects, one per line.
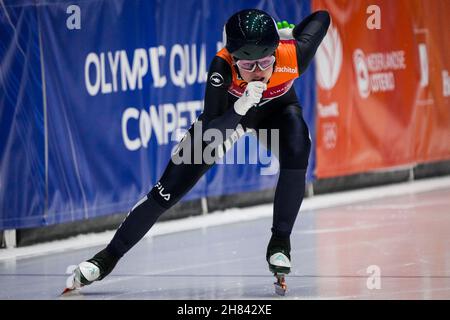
[{"x": 285, "y": 30}]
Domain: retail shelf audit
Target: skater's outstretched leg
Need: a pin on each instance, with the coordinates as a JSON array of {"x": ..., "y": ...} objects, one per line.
[
  {"x": 140, "y": 219},
  {"x": 175, "y": 182},
  {"x": 137, "y": 223}
]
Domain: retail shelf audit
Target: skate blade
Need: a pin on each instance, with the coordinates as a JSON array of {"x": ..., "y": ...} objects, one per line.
[
  {"x": 279, "y": 290},
  {"x": 67, "y": 291},
  {"x": 280, "y": 285},
  {"x": 70, "y": 282}
]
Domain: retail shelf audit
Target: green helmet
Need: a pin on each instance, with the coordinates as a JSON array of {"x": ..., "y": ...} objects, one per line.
[{"x": 251, "y": 34}]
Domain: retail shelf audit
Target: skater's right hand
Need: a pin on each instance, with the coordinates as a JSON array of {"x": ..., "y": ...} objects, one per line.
[{"x": 250, "y": 98}]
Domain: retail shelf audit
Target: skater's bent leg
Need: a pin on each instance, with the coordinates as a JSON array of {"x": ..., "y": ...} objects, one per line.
[
  {"x": 293, "y": 156},
  {"x": 288, "y": 199},
  {"x": 292, "y": 152}
]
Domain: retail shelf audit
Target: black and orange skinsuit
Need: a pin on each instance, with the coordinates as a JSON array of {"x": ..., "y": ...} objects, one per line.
[{"x": 278, "y": 109}]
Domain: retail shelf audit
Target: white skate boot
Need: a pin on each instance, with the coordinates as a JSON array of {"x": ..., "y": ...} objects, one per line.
[
  {"x": 81, "y": 275},
  {"x": 279, "y": 259},
  {"x": 94, "y": 269}
]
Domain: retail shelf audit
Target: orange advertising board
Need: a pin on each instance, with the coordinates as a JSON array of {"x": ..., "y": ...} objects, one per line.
[{"x": 383, "y": 91}]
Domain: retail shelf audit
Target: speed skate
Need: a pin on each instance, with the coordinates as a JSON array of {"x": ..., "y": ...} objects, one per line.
[
  {"x": 80, "y": 275},
  {"x": 280, "y": 284},
  {"x": 280, "y": 265}
]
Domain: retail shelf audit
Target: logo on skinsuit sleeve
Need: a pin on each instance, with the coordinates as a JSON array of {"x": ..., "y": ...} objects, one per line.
[{"x": 216, "y": 79}]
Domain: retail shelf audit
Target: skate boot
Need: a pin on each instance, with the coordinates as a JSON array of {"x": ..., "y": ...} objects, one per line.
[
  {"x": 94, "y": 269},
  {"x": 279, "y": 259}
]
